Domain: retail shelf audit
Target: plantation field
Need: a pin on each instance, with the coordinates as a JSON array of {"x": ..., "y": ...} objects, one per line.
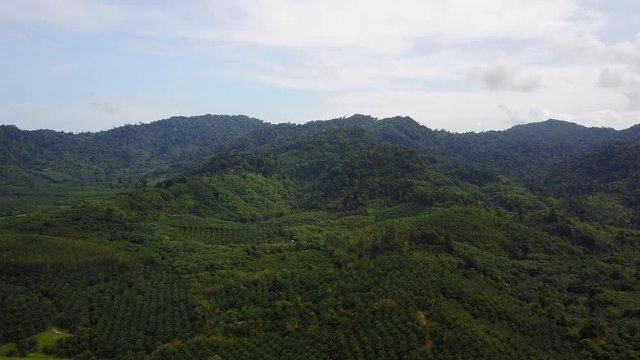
[{"x": 16, "y": 200}]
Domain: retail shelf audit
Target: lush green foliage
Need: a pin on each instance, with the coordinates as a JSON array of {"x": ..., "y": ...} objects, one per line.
[
  {"x": 117, "y": 155},
  {"x": 347, "y": 239}
]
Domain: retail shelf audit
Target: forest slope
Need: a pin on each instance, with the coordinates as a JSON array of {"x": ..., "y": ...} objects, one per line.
[
  {"x": 120, "y": 155},
  {"x": 342, "y": 239}
]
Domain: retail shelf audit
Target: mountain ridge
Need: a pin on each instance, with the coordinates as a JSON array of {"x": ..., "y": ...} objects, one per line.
[
  {"x": 346, "y": 239},
  {"x": 361, "y": 118},
  {"x": 148, "y": 147}
]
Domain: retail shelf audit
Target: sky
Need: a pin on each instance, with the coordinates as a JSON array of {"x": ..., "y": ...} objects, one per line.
[{"x": 459, "y": 65}]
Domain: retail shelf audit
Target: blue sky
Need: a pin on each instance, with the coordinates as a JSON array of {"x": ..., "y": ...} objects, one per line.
[{"x": 460, "y": 65}]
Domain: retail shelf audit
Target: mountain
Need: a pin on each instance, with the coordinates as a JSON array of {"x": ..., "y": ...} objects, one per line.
[
  {"x": 352, "y": 238},
  {"x": 603, "y": 183},
  {"x": 123, "y": 155},
  {"x": 605, "y": 168},
  {"x": 522, "y": 151},
  {"x": 120, "y": 155}
]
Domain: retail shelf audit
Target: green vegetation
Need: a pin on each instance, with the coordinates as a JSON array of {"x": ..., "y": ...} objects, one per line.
[
  {"x": 347, "y": 239},
  {"x": 33, "y": 347},
  {"x": 17, "y": 200},
  {"x": 119, "y": 155}
]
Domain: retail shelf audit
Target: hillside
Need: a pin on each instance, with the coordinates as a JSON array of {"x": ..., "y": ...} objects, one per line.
[
  {"x": 42, "y": 168},
  {"x": 167, "y": 147},
  {"x": 602, "y": 184},
  {"x": 353, "y": 239},
  {"x": 121, "y": 155},
  {"x": 524, "y": 151}
]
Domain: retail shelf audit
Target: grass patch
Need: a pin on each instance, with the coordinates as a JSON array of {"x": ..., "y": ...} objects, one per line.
[
  {"x": 50, "y": 337},
  {"x": 45, "y": 338},
  {"x": 15, "y": 200},
  {"x": 5, "y": 348}
]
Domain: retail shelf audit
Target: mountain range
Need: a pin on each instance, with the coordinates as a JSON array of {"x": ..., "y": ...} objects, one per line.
[
  {"x": 126, "y": 153},
  {"x": 354, "y": 238}
]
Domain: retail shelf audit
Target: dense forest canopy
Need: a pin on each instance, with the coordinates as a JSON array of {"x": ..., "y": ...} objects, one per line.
[
  {"x": 225, "y": 237},
  {"x": 122, "y": 154}
]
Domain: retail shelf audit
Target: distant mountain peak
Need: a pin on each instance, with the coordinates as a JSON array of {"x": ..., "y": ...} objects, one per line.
[
  {"x": 560, "y": 129},
  {"x": 401, "y": 119},
  {"x": 635, "y": 129},
  {"x": 550, "y": 123}
]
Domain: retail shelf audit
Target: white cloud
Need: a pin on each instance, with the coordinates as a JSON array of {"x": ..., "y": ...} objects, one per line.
[
  {"x": 564, "y": 97},
  {"x": 385, "y": 27},
  {"x": 353, "y": 70},
  {"x": 457, "y": 64},
  {"x": 379, "y": 26},
  {"x": 590, "y": 48}
]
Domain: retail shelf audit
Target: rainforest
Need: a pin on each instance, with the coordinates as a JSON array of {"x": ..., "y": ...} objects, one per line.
[{"x": 227, "y": 237}]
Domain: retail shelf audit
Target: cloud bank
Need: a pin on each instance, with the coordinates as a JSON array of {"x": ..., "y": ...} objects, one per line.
[{"x": 458, "y": 64}]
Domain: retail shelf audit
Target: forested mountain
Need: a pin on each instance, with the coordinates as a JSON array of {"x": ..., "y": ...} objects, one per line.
[
  {"x": 524, "y": 151},
  {"x": 120, "y": 155},
  {"x": 602, "y": 184},
  {"x": 352, "y": 238}
]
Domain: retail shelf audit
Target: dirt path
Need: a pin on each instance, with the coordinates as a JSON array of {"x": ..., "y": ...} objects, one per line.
[{"x": 57, "y": 332}]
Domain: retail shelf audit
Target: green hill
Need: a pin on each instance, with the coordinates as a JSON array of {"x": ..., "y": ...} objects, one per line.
[
  {"x": 121, "y": 155},
  {"x": 353, "y": 238}
]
